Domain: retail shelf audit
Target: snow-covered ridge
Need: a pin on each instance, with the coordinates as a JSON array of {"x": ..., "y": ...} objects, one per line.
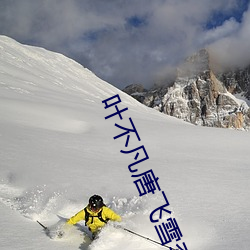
[
  {"x": 33, "y": 74},
  {"x": 35, "y": 67}
]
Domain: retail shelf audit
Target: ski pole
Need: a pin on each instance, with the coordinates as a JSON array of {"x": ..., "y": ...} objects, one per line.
[
  {"x": 146, "y": 238},
  {"x": 45, "y": 228}
]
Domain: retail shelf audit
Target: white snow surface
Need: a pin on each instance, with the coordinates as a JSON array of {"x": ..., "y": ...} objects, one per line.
[{"x": 57, "y": 150}]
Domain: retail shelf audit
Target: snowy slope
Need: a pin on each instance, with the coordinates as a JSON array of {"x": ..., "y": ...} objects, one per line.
[{"x": 57, "y": 150}]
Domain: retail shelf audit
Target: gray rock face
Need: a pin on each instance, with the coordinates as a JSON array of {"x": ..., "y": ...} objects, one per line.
[
  {"x": 237, "y": 81},
  {"x": 200, "y": 97}
]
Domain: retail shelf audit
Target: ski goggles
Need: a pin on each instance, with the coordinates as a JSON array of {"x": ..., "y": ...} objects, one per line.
[{"x": 94, "y": 208}]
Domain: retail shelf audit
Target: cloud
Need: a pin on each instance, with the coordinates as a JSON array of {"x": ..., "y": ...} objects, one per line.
[
  {"x": 233, "y": 49},
  {"x": 228, "y": 28},
  {"x": 125, "y": 42}
]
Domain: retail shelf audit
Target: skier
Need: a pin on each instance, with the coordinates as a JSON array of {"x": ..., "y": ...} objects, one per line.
[{"x": 95, "y": 214}]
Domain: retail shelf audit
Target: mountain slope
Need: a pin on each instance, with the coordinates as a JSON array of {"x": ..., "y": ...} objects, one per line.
[{"x": 57, "y": 149}]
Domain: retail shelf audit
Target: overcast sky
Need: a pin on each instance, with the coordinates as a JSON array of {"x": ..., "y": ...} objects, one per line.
[{"x": 131, "y": 41}]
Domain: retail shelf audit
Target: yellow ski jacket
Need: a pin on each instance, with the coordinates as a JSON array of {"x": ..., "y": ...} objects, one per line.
[{"x": 94, "y": 223}]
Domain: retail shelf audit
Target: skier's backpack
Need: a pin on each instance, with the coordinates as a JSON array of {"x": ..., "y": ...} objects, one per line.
[{"x": 99, "y": 216}]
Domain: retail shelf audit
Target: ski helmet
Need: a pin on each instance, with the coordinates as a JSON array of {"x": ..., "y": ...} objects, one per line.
[{"x": 95, "y": 202}]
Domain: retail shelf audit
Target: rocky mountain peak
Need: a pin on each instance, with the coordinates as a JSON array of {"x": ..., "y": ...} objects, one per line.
[
  {"x": 196, "y": 64},
  {"x": 200, "y": 96}
]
